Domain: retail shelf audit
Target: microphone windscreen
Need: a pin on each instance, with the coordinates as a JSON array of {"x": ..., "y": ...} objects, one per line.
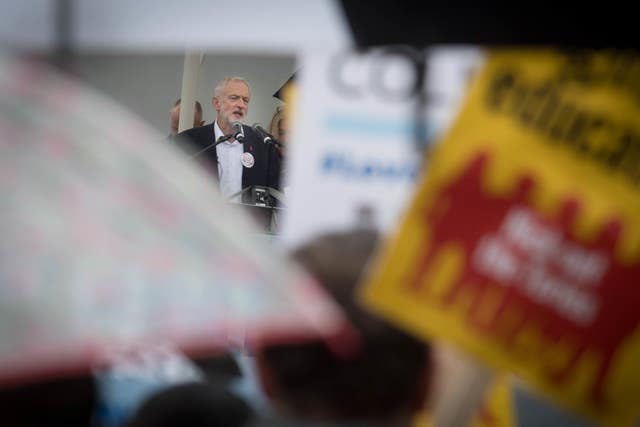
[{"x": 238, "y": 131}]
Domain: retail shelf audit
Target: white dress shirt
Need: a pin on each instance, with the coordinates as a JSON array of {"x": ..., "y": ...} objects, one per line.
[{"x": 229, "y": 165}]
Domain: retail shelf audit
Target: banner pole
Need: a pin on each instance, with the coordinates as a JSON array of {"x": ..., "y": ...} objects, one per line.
[{"x": 460, "y": 388}]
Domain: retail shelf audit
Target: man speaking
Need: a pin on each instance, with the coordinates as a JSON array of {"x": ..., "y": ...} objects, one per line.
[{"x": 242, "y": 159}]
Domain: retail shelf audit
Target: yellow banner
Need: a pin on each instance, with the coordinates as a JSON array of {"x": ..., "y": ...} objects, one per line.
[{"x": 522, "y": 244}]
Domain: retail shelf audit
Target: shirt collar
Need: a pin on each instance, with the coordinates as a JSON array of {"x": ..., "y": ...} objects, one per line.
[{"x": 217, "y": 132}]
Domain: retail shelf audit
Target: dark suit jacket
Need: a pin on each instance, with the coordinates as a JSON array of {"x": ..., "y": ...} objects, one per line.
[{"x": 265, "y": 171}]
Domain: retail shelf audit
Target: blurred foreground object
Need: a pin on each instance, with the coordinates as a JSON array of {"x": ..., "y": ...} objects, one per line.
[
  {"x": 420, "y": 23},
  {"x": 385, "y": 381},
  {"x": 522, "y": 244},
  {"x": 111, "y": 238},
  {"x": 193, "y": 405}
]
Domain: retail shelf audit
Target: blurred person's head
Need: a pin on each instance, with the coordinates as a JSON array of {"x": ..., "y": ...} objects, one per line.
[
  {"x": 385, "y": 381},
  {"x": 174, "y": 116},
  {"x": 231, "y": 98},
  {"x": 62, "y": 402},
  {"x": 193, "y": 405},
  {"x": 278, "y": 127}
]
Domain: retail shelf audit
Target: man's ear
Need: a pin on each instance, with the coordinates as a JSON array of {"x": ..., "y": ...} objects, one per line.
[{"x": 215, "y": 102}]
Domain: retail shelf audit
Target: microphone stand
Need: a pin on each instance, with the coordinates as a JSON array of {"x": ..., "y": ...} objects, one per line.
[
  {"x": 269, "y": 141},
  {"x": 273, "y": 141},
  {"x": 219, "y": 141},
  {"x": 239, "y": 193}
]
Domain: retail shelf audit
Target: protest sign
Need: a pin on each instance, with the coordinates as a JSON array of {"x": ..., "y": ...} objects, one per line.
[{"x": 522, "y": 244}]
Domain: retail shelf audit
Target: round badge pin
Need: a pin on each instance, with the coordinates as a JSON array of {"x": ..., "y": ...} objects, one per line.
[{"x": 247, "y": 160}]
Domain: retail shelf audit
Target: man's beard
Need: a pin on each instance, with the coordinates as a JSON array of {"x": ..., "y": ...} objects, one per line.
[{"x": 229, "y": 118}]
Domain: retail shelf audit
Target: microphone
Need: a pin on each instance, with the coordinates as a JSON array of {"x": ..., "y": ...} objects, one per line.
[
  {"x": 267, "y": 138},
  {"x": 238, "y": 132}
]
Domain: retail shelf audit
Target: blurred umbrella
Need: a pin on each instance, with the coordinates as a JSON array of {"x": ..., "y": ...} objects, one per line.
[{"x": 112, "y": 237}]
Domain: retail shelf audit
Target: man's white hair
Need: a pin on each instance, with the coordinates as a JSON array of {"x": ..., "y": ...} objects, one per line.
[{"x": 222, "y": 83}]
